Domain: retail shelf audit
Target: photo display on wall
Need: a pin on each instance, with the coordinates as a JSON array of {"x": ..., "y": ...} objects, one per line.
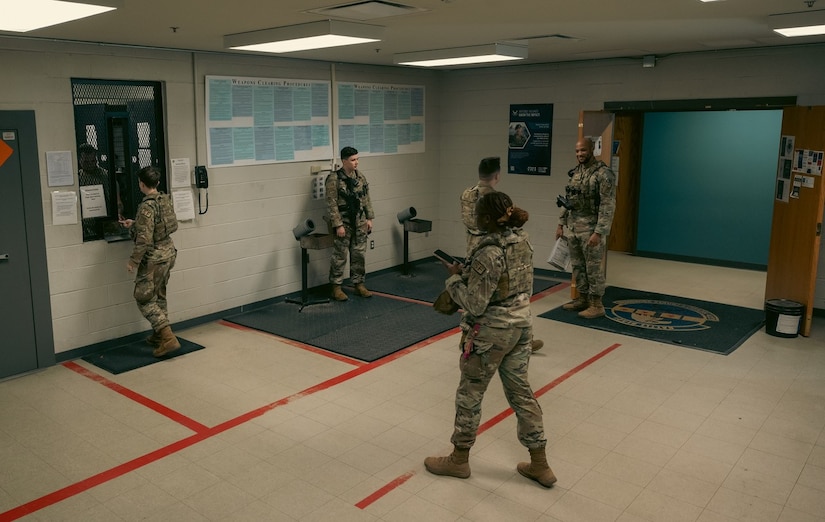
[
  {"x": 380, "y": 118},
  {"x": 253, "y": 121}
]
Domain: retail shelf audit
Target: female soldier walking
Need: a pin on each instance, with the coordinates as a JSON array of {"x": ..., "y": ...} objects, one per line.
[{"x": 494, "y": 291}]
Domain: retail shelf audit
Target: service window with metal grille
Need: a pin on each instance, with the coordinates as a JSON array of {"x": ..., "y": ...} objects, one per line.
[{"x": 119, "y": 129}]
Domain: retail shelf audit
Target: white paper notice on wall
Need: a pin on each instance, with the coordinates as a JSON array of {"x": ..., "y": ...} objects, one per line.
[
  {"x": 181, "y": 176},
  {"x": 59, "y": 168},
  {"x": 93, "y": 201},
  {"x": 64, "y": 208},
  {"x": 184, "y": 204}
]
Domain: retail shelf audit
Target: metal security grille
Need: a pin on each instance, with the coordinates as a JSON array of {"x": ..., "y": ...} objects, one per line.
[{"x": 119, "y": 130}]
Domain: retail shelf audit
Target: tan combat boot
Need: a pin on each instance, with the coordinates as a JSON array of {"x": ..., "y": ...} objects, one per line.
[
  {"x": 535, "y": 345},
  {"x": 596, "y": 308},
  {"x": 361, "y": 290},
  {"x": 338, "y": 294},
  {"x": 456, "y": 464},
  {"x": 537, "y": 469},
  {"x": 154, "y": 339},
  {"x": 168, "y": 342},
  {"x": 577, "y": 305}
]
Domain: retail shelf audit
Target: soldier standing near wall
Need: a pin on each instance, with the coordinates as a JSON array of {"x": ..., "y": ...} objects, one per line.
[
  {"x": 350, "y": 216},
  {"x": 591, "y": 196},
  {"x": 154, "y": 256}
]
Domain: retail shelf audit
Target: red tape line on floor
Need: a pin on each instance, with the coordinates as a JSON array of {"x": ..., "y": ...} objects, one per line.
[
  {"x": 193, "y": 425},
  {"x": 201, "y": 434},
  {"x": 363, "y": 504}
]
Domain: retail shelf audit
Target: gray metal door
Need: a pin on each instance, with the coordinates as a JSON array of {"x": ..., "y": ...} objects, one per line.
[{"x": 19, "y": 274}]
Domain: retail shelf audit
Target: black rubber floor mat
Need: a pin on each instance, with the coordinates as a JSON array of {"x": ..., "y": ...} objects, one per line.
[
  {"x": 363, "y": 329},
  {"x": 424, "y": 281},
  {"x": 135, "y": 355}
]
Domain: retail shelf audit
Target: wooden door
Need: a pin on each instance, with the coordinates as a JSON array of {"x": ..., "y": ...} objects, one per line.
[
  {"x": 797, "y": 223},
  {"x": 627, "y": 165}
]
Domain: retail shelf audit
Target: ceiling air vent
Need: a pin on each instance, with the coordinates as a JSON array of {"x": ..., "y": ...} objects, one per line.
[
  {"x": 367, "y": 10},
  {"x": 550, "y": 37}
]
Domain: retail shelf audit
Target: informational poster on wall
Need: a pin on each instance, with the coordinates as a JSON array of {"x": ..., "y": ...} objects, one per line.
[
  {"x": 380, "y": 118},
  {"x": 253, "y": 121},
  {"x": 808, "y": 161},
  {"x": 530, "y": 135},
  {"x": 783, "y": 171}
]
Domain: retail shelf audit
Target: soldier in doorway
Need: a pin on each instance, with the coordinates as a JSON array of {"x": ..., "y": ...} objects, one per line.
[{"x": 591, "y": 196}]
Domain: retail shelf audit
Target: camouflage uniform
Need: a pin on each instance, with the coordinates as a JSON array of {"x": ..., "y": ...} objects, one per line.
[
  {"x": 348, "y": 204},
  {"x": 591, "y": 192},
  {"x": 154, "y": 254},
  {"x": 494, "y": 290},
  {"x": 468, "y": 213}
]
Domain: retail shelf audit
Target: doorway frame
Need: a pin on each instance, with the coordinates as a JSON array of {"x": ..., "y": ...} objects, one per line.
[{"x": 631, "y": 173}]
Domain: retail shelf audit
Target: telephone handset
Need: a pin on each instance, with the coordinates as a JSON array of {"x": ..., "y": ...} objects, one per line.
[{"x": 201, "y": 177}]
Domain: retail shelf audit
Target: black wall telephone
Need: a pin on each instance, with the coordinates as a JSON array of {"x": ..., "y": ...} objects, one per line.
[
  {"x": 202, "y": 182},
  {"x": 201, "y": 177}
]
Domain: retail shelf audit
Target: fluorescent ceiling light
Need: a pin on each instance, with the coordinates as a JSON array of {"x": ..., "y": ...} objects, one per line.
[
  {"x": 27, "y": 15},
  {"x": 314, "y": 35},
  {"x": 463, "y": 55},
  {"x": 804, "y": 23},
  {"x": 810, "y": 30}
]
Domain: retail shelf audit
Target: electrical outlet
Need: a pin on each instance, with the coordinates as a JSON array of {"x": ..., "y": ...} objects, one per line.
[{"x": 372, "y": 244}]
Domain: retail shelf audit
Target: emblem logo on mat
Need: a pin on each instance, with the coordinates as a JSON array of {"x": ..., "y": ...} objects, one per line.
[{"x": 660, "y": 315}]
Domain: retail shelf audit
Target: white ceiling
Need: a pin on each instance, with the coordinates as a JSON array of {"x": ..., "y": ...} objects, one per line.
[{"x": 593, "y": 29}]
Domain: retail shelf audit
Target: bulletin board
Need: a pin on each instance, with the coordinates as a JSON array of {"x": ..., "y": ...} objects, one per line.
[
  {"x": 253, "y": 121},
  {"x": 380, "y": 118}
]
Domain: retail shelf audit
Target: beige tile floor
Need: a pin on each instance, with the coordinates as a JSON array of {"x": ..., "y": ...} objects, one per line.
[{"x": 254, "y": 428}]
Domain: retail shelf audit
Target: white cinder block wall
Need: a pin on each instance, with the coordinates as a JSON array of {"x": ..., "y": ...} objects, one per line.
[
  {"x": 475, "y": 107},
  {"x": 243, "y": 251}
]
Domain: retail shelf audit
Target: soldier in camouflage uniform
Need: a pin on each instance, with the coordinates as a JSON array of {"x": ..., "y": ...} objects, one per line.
[
  {"x": 591, "y": 192},
  {"x": 154, "y": 256},
  {"x": 494, "y": 291},
  {"x": 350, "y": 216},
  {"x": 489, "y": 173}
]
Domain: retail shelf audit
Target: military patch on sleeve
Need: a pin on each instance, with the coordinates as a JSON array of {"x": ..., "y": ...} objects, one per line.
[{"x": 479, "y": 268}]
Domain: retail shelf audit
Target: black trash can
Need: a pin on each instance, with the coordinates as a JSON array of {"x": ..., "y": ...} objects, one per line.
[{"x": 783, "y": 317}]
